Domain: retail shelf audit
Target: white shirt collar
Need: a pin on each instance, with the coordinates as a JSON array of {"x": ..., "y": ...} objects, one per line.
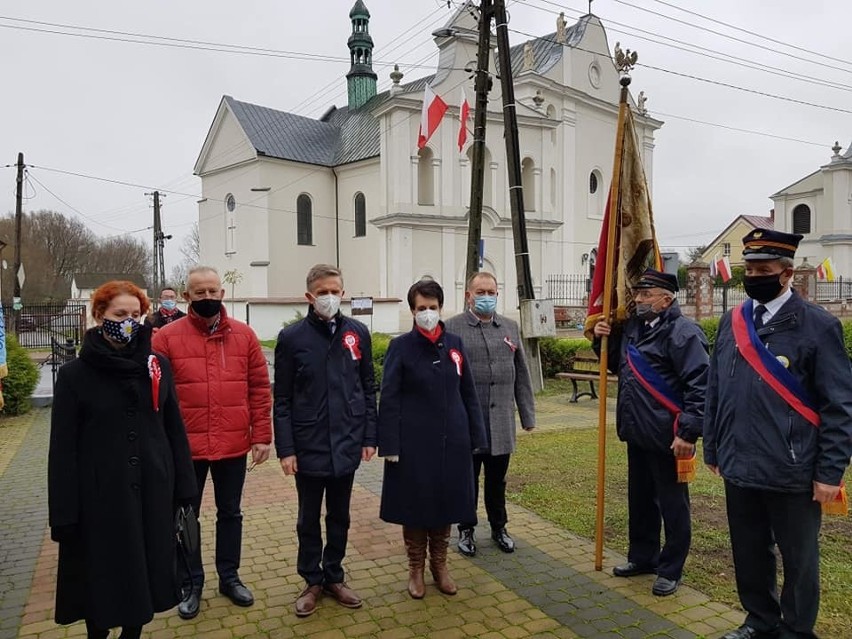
[{"x": 773, "y": 306}]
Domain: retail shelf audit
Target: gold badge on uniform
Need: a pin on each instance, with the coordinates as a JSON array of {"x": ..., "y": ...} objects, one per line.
[{"x": 784, "y": 361}]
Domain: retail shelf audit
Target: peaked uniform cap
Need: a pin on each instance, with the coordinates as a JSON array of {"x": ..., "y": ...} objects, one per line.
[
  {"x": 657, "y": 279},
  {"x": 769, "y": 244}
]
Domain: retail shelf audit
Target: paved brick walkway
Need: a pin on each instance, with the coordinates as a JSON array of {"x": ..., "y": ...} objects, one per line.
[{"x": 547, "y": 588}]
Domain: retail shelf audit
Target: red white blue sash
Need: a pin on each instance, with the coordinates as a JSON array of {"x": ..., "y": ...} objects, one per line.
[
  {"x": 765, "y": 364},
  {"x": 653, "y": 382}
]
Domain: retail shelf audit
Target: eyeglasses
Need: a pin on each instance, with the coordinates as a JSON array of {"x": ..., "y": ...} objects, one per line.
[{"x": 645, "y": 294}]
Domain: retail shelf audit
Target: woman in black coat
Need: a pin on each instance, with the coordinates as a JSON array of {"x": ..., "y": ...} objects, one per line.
[
  {"x": 119, "y": 463},
  {"x": 430, "y": 424}
]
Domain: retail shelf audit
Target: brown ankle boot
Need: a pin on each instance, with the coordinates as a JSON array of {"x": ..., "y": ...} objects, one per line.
[
  {"x": 439, "y": 541},
  {"x": 415, "y": 546}
]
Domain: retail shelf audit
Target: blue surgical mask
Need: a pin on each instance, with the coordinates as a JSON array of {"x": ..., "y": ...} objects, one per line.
[
  {"x": 169, "y": 305},
  {"x": 485, "y": 304}
]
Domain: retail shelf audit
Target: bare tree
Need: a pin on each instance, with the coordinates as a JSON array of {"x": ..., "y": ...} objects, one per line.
[{"x": 191, "y": 247}]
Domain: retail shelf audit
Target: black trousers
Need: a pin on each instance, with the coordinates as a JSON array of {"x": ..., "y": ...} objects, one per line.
[
  {"x": 654, "y": 496},
  {"x": 758, "y": 520},
  {"x": 315, "y": 563},
  {"x": 496, "y": 467},
  {"x": 229, "y": 476}
]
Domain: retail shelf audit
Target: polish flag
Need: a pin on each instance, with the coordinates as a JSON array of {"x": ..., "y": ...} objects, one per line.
[
  {"x": 464, "y": 115},
  {"x": 430, "y": 118},
  {"x": 723, "y": 267}
]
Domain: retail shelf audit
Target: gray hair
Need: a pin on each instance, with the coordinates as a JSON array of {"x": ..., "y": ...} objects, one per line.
[
  {"x": 321, "y": 271},
  {"x": 787, "y": 262},
  {"x": 201, "y": 268},
  {"x": 479, "y": 274}
]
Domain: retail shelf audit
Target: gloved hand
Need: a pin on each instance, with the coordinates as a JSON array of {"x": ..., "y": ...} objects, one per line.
[{"x": 63, "y": 533}]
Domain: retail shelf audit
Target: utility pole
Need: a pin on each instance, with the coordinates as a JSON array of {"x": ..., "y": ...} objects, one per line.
[
  {"x": 513, "y": 162},
  {"x": 482, "y": 85},
  {"x": 159, "y": 280},
  {"x": 530, "y": 316},
  {"x": 19, "y": 214}
]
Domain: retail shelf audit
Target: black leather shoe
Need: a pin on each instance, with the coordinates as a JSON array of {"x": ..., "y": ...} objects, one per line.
[
  {"x": 503, "y": 540},
  {"x": 188, "y": 608},
  {"x": 467, "y": 542},
  {"x": 237, "y": 593},
  {"x": 631, "y": 570},
  {"x": 747, "y": 632},
  {"x": 663, "y": 587}
]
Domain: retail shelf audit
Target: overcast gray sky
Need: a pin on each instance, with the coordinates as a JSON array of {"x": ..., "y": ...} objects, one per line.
[{"x": 138, "y": 113}]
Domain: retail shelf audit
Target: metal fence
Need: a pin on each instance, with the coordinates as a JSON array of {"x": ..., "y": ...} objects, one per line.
[
  {"x": 568, "y": 290},
  {"x": 839, "y": 289},
  {"x": 40, "y": 324}
]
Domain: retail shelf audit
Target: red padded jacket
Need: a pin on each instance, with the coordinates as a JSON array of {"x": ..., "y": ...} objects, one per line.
[{"x": 222, "y": 385}]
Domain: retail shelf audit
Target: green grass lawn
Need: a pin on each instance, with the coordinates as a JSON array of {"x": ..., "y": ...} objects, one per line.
[
  {"x": 554, "y": 474},
  {"x": 269, "y": 343}
]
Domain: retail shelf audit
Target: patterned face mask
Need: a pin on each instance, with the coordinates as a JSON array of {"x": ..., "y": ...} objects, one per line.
[{"x": 122, "y": 331}]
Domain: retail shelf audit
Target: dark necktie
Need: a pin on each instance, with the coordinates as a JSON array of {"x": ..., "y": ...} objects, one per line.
[{"x": 758, "y": 316}]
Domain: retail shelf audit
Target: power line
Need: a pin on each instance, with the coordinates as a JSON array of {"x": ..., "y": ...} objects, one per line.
[
  {"x": 734, "y": 38},
  {"x": 705, "y": 52},
  {"x": 754, "y": 33},
  {"x": 739, "y": 130},
  {"x": 77, "y": 211}
]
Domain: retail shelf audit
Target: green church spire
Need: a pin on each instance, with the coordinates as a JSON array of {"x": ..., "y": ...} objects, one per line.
[{"x": 361, "y": 79}]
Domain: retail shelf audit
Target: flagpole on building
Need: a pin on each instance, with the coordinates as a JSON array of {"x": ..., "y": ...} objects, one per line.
[{"x": 624, "y": 64}]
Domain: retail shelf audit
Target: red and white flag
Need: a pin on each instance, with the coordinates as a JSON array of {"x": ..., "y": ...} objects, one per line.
[
  {"x": 464, "y": 115},
  {"x": 714, "y": 271},
  {"x": 430, "y": 118},
  {"x": 723, "y": 267}
]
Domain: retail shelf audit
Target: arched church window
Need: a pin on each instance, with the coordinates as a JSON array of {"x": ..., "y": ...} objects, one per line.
[
  {"x": 304, "y": 220},
  {"x": 802, "y": 219},
  {"x": 360, "y": 215}
]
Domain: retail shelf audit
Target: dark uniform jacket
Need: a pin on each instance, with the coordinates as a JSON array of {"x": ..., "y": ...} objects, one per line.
[
  {"x": 116, "y": 469},
  {"x": 325, "y": 397},
  {"x": 430, "y": 417},
  {"x": 677, "y": 350},
  {"x": 753, "y": 435}
]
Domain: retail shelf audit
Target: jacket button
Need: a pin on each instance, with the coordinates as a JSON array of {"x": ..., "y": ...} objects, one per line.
[
  {"x": 130, "y": 412},
  {"x": 493, "y": 383},
  {"x": 493, "y": 405},
  {"x": 131, "y": 436},
  {"x": 133, "y": 461}
]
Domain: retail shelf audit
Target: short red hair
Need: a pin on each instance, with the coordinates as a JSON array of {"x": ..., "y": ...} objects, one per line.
[{"x": 105, "y": 293}]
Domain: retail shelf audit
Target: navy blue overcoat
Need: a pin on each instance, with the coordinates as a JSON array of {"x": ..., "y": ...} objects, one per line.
[{"x": 429, "y": 415}]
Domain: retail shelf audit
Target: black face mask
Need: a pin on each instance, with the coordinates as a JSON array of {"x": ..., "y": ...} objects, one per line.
[
  {"x": 763, "y": 288},
  {"x": 206, "y": 308}
]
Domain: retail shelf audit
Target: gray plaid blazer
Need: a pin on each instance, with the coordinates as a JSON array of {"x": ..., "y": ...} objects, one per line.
[{"x": 500, "y": 371}]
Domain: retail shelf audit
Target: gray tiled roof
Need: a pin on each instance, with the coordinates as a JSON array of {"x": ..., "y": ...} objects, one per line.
[
  {"x": 341, "y": 136},
  {"x": 546, "y": 50}
]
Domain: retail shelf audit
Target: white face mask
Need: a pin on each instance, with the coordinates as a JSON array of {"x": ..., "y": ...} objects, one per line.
[
  {"x": 427, "y": 320},
  {"x": 327, "y": 305}
]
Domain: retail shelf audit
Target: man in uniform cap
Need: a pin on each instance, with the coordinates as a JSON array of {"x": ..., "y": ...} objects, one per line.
[
  {"x": 778, "y": 430},
  {"x": 661, "y": 358}
]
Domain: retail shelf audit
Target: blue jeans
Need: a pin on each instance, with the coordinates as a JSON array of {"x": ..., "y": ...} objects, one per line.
[{"x": 229, "y": 476}]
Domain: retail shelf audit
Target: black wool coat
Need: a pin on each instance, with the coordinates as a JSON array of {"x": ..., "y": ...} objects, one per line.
[
  {"x": 429, "y": 415},
  {"x": 325, "y": 395},
  {"x": 116, "y": 469}
]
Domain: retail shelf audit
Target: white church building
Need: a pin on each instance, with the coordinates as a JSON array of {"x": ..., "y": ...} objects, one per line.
[
  {"x": 282, "y": 192},
  {"x": 819, "y": 206}
]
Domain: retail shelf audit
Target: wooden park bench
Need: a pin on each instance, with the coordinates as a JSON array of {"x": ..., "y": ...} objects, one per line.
[{"x": 584, "y": 368}]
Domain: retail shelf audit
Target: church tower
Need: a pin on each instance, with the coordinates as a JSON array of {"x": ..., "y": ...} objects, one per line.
[{"x": 361, "y": 79}]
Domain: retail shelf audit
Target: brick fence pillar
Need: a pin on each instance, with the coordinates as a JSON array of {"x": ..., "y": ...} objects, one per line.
[
  {"x": 699, "y": 289},
  {"x": 804, "y": 281}
]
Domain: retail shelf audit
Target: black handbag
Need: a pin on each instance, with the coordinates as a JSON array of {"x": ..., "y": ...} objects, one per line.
[{"x": 187, "y": 530}]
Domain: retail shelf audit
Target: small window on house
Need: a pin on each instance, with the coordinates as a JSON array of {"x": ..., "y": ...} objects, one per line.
[
  {"x": 593, "y": 182},
  {"x": 726, "y": 247},
  {"x": 802, "y": 219},
  {"x": 360, "y": 215},
  {"x": 304, "y": 220}
]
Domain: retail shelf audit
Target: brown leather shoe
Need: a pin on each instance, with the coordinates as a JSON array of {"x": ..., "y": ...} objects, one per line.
[
  {"x": 306, "y": 604},
  {"x": 344, "y": 595}
]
